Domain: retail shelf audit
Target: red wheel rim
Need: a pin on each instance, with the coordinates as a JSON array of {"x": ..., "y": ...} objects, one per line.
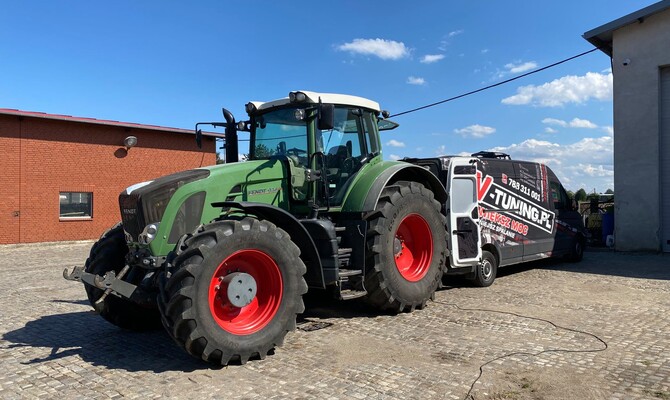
[
  {"x": 256, "y": 315},
  {"x": 413, "y": 247}
]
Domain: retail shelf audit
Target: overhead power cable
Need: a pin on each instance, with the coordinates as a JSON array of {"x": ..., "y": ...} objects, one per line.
[{"x": 496, "y": 84}]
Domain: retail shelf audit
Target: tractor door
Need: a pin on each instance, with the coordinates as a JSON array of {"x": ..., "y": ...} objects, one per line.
[{"x": 462, "y": 213}]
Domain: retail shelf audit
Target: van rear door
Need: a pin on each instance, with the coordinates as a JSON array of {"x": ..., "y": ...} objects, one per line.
[{"x": 463, "y": 217}]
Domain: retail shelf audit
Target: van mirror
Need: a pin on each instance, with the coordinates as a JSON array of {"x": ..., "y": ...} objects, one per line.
[{"x": 326, "y": 117}]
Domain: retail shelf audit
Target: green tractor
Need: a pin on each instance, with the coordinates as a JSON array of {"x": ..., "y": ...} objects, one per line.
[{"x": 222, "y": 255}]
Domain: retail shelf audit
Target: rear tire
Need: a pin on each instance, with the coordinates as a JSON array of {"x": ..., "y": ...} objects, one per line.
[
  {"x": 406, "y": 241},
  {"x": 486, "y": 271},
  {"x": 109, "y": 254},
  {"x": 197, "y": 309},
  {"x": 577, "y": 249}
]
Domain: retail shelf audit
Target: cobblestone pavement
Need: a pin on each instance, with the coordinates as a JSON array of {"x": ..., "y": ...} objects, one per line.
[{"x": 53, "y": 345}]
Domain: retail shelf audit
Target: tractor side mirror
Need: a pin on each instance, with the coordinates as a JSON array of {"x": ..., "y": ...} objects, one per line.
[{"x": 326, "y": 117}]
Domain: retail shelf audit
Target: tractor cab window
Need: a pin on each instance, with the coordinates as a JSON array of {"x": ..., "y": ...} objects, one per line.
[
  {"x": 347, "y": 146},
  {"x": 280, "y": 133}
]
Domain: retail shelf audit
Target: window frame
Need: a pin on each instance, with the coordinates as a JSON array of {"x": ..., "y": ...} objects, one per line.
[{"x": 62, "y": 217}]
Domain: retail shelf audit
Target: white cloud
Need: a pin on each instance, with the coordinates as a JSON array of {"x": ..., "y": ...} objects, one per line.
[
  {"x": 520, "y": 67},
  {"x": 568, "y": 89},
  {"x": 587, "y": 163},
  {"x": 550, "y": 130},
  {"x": 446, "y": 39},
  {"x": 394, "y": 157},
  {"x": 382, "y": 48},
  {"x": 608, "y": 129},
  {"x": 575, "y": 123},
  {"x": 395, "y": 143},
  {"x": 484, "y": 51},
  {"x": 442, "y": 150},
  {"x": 514, "y": 68},
  {"x": 414, "y": 80},
  {"x": 554, "y": 121},
  {"x": 431, "y": 58},
  {"x": 582, "y": 123},
  {"x": 475, "y": 131}
]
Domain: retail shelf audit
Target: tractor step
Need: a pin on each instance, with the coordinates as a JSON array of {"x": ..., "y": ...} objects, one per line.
[
  {"x": 350, "y": 272},
  {"x": 352, "y": 294}
]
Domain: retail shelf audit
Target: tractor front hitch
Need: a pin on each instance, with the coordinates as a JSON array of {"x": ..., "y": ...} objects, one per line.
[{"x": 110, "y": 283}]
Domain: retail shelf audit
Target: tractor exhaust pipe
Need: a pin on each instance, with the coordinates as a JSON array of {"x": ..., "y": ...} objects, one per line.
[{"x": 231, "y": 137}]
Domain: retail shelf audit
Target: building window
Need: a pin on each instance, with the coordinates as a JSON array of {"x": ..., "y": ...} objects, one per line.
[{"x": 76, "y": 204}]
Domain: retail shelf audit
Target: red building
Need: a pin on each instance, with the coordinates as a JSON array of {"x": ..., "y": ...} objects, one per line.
[{"x": 62, "y": 175}]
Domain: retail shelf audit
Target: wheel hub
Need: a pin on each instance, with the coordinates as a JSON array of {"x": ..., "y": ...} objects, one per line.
[
  {"x": 487, "y": 269},
  {"x": 413, "y": 247},
  {"x": 245, "y": 291},
  {"x": 241, "y": 288},
  {"x": 397, "y": 246}
]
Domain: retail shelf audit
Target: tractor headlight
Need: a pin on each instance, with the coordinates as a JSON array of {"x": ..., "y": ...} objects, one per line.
[
  {"x": 297, "y": 97},
  {"x": 149, "y": 233},
  {"x": 299, "y": 114},
  {"x": 250, "y": 108}
]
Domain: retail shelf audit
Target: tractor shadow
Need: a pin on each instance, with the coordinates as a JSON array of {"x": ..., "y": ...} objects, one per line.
[
  {"x": 88, "y": 336},
  {"x": 321, "y": 305}
]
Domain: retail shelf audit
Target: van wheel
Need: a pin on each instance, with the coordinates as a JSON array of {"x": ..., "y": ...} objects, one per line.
[
  {"x": 486, "y": 271},
  {"x": 577, "y": 249}
]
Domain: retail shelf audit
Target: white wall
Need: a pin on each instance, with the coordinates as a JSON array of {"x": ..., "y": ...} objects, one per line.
[{"x": 636, "y": 131}]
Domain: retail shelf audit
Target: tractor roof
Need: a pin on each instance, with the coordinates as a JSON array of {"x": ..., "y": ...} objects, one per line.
[{"x": 314, "y": 97}]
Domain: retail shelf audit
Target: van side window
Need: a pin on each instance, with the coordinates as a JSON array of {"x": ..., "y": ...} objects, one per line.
[
  {"x": 559, "y": 196},
  {"x": 556, "y": 195},
  {"x": 567, "y": 203}
]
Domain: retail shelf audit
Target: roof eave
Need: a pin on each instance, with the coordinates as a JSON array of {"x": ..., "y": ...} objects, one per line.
[
  {"x": 129, "y": 125},
  {"x": 601, "y": 37}
]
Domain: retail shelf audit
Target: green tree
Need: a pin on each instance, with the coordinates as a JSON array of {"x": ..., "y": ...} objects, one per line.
[
  {"x": 609, "y": 191},
  {"x": 571, "y": 194},
  {"x": 580, "y": 195},
  {"x": 595, "y": 196},
  {"x": 262, "y": 151},
  {"x": 218, "y": 159}
]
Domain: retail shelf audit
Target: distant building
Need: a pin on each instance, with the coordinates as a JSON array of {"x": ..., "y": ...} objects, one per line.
[
  {"x": 639, "y": 45},
  {"x": 62, "y": 175}
]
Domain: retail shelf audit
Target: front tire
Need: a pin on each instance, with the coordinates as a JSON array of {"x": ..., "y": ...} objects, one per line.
[
  {"x": 109, "y": 254},
  {"x": 486, "y": 271},
  {"x": 197, "y": 307},
  {"x": 405, "y": 256}
]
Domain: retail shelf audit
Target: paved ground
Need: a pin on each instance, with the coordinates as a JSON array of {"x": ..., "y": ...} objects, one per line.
[{"x": 53, "y": 345}]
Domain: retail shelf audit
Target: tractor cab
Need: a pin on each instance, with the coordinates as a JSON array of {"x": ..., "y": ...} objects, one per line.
[{"x": 325, "y": 139}]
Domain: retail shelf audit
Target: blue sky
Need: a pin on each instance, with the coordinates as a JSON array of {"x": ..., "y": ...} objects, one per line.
[{"x": 174, "y": 63}]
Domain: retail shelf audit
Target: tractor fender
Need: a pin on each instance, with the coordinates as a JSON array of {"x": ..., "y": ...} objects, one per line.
[
  {"x": 298, "y": 233},
  {"x": 386, "y": 173}
]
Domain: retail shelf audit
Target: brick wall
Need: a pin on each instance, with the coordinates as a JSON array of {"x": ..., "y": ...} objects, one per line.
[{"x": 42, "y": 157}]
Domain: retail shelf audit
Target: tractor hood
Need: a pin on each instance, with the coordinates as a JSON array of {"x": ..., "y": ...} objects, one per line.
[{"x": 173, "y": 205}]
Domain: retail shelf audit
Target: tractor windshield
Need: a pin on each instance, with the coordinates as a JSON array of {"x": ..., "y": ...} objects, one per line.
[{"x": 280, "y": 133}]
